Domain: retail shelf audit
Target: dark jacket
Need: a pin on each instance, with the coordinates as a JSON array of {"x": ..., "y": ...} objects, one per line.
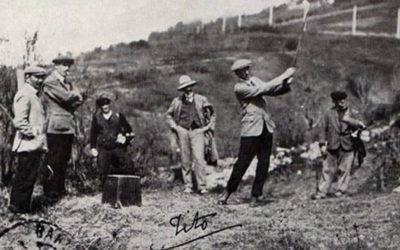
[
  {"x": 103, "y": 132},
  {"x": 338, "y": 128}
]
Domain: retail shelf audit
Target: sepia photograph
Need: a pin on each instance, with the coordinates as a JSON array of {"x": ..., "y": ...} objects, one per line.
[{"x": 200, "y": 124}]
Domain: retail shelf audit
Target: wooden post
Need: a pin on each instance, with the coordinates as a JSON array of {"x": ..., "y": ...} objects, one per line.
[
  {"x": 398, "y": 24},
  {"x": 122, "y": 190},
  {"x": 239, "y": 23},
  {"x": 271, "y": 15},
  {"x": 223, "y": 29},
  {"x": 354, "y": 27}
]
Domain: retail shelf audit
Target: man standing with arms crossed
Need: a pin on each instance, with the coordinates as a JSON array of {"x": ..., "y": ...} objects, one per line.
[
  {"x": 257, "y": 126},
  {"x": 60, "y": 100},
  {"x": 30, "y": 139}
]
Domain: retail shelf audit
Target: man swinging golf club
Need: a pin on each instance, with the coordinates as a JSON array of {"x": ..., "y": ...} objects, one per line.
[{"x": 257, "y": 125}]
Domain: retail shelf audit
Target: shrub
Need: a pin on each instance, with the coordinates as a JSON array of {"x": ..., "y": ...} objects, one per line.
[{"x": 8, "y": 88}]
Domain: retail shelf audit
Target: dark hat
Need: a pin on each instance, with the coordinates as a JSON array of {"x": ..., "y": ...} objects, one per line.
[
  {"x": 35, "y": 70},
  {"x": 63, "y": 60},
  {"x": 338, "y": 95},
  {"x": 103, "y": 99}
]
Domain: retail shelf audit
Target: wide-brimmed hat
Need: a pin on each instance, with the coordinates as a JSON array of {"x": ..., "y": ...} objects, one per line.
[
  {"x": 338, "y": 95},
  {"x": 240, "y": 64},
  {"x": 185, "y": 81},
  {"x": 63, "y": 60},
  {"x": 35, "y": 70}
]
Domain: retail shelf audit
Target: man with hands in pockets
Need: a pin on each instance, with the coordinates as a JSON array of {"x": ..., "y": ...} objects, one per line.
[
  {"x": 186, "y": 117},
  {"x": 30, "y": 142}
]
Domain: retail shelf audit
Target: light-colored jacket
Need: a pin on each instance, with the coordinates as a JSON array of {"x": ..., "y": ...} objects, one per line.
[
  {"x": 338, "y": 129},
  {"x": 254, "y": 105},
  {"x": 60, "y": 101},
  {"x": 29, "y": 121},
  {"x": 201, "y": 102}
]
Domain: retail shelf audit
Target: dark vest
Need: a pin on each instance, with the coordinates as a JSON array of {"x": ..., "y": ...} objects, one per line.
[
  {"x": 189, "y": 118},
  {"x": 108, "y": 130}
]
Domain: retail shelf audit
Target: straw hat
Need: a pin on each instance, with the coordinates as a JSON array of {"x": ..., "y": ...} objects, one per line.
[{"x": 185, "y": 81}]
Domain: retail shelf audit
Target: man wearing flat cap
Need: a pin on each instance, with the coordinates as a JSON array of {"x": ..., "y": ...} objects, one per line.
[
  {"x": 110, "y": 135},
  {"x": 339, "y": 123},
  {"x": 257, "y": 125},
  {"x": 60, "y": 101},
  {"x": 186, "y": 117},
  {"x": 30, "y": 139}
]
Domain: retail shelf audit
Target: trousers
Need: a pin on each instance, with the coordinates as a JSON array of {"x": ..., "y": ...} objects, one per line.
[
  {"x": 113, "y": 161},
  {"x": 191, "y": 143},
  {"x": 24, "y": 180},
  {"x": 60, "y": 146},
  {"x": 336, "y": 159},
  {"x": 260, "y": 146}
]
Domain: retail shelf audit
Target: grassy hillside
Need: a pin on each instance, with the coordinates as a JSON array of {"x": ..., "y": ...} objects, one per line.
[
  {"x": 144, "y": 76},
  {"x": 325, "y": 64}
]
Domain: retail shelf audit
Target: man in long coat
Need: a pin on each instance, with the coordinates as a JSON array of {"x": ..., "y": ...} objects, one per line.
[{"x": 60, "y": 100}]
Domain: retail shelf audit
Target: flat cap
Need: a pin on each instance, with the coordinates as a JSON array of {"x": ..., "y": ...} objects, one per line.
[
  {"x": 338, "y": 95},
  {"x": 240, "y": 64},
  {"x": 63, "y": 60},
  {"x": 35, "y": 70}
]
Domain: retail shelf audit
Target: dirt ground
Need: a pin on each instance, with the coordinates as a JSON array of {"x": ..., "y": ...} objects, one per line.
[{"x": 287, "y": 219}]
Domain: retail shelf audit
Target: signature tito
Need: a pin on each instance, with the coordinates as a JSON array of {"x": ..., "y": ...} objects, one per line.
[{"x": 197, "y": 222}]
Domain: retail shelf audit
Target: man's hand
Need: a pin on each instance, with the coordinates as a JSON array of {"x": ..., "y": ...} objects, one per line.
[
  {"x": 206, "y": 128},
  {"x": 130, "y": 136},
  {"x": 94, "y": 152},
  {"x": 323, "y": 148},
  {"x": 121, "y": 139},
  {"x": 289, "y": 80}
]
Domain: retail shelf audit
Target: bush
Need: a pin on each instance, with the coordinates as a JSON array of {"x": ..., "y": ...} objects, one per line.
[{"x": 8, "y": 88}]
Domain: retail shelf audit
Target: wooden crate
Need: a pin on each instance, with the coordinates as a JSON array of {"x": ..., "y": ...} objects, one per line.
[{"x": 122, "y": 190}]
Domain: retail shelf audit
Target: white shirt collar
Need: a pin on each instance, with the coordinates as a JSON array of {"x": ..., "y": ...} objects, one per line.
[{"x": 108, "y": 115}]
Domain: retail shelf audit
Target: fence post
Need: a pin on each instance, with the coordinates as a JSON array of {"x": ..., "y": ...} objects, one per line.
[
  {"x": 398, "y": 24},
  {"x": 239, "y": 23},
  {"x": 306, "y": 8},
  {"x": 354, "y": 26},
  {"x": 223, "y": 29},
  {"x": 271, "y": 15},
  {"x": 199, "y": 27}
]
